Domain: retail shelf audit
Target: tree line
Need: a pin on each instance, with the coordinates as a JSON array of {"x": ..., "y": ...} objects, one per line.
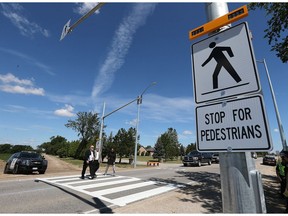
[{"x": 87, "y": 125}]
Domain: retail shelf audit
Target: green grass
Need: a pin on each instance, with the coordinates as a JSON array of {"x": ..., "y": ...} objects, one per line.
[
  {"x": 5, "y": 156},
  {"x": 73, "y": 161},
  {"x": 79, "y": 163},
  {"x": 144, "y": 158}
]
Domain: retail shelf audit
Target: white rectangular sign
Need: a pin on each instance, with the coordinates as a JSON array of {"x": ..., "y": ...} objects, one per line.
[
  {"x": 224, "y": 65},
  {"x": 237, "y": 125}
]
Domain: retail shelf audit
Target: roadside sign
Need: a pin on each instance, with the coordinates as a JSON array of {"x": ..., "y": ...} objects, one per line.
[
  {"x": 65, "y": 30},
  {"x": 224, "y": 65},
  {"x": 236, "y": 125}
]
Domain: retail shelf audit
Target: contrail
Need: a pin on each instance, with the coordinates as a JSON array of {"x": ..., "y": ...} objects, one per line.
[{"x": 120, "y": 46}]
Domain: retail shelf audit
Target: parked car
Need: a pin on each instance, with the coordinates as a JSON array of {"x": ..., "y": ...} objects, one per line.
[
  {"x": 215, "y": 157},
  {"x": 26, "y": 162},
  {"x": 269, "y": 160},
  {"x": 197, "y": 158}
]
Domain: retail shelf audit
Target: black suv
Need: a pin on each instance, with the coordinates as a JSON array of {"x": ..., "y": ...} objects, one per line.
[
  {"x": 26, "y": 162},
  {"x": 215, "y": 157},
  {"x": 197, "y": 158}
]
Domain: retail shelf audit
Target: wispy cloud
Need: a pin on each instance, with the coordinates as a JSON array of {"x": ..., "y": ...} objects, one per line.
[
  {"x": 75, "y": 99},
  {"x": 34, "y": 111},
  {"x": 11, "y": 84},
  {"x": 187, "y": 132},
  {"x": 67, "y": 111},
  {"x": 14, "y": 12},
  {"x": 155, "y": 108},
  {"x": 120, "y": 45},
  {"x": 176, "y": 109},
  {"x": 29, "y": 59}
]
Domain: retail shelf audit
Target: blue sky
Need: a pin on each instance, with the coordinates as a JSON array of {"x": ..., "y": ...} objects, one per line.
[{"x": 111, "y": 57}]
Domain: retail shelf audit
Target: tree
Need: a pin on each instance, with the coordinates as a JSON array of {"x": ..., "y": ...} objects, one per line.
[
  {"x": 124, "y": 142},
  {"x": 87, "y": 125},
  {"x": 159, "y": 149},
  {"x": 182, "y": 151},
  {"x": 18, "y": 148},
  {"x": 191, "y": 147},
  {"x": 167, "y": 145},
  {"x": 73, "y": 146},
  {"x": 5, "y": 148},
  {"x": 107, "y": 145},
  {"x": 57, "y": 146},
  {"x": 277, "y": 27}
]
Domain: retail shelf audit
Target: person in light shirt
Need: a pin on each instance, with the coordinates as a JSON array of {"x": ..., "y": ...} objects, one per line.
[
  {"x": 89, "y": 157},
  {"x": 95, "y": 164}
]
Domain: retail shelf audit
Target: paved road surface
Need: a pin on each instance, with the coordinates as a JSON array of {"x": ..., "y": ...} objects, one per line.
[{"x": 194, "y": 197}]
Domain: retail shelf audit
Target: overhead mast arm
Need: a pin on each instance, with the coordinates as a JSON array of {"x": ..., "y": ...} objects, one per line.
[{"x": 67, "y": 29}]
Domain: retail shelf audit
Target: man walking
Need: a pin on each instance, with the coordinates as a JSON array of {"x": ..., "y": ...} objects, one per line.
[
  {"x": 89, "y": 157},
  {"x": 95, "y": 164},
  {"x": 111, "y": 161}
]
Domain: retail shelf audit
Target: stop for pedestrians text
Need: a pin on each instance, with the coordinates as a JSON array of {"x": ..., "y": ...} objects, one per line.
[{"x": 248, "y": 131}]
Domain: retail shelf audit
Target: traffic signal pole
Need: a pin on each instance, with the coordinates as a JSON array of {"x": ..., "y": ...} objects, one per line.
[{"x": 241, "y": 184}]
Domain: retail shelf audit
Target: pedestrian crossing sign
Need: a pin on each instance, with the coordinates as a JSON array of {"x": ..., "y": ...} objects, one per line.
[{"x": 224, "y": 65}]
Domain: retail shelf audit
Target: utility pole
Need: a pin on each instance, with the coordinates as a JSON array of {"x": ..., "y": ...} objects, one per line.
[
  {"x": 241, "y": 185},
  {"x": 99, "y": 143},
  {"x": 280, "y": 126},
  {"x": 139, "y": 102}
]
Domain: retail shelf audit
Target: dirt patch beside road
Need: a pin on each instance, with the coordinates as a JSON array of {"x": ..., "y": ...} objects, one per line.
[{"x": 56, "y": 167}]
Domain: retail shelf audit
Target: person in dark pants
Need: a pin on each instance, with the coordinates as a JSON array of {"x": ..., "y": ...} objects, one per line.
[
  {"x": 88, "y": 159},
  {"x": 111, "y": 161},
  {"x": 284, "y": 155},
  {"x": 94, "y": 165},
  {"x": 280, "y": 172}
]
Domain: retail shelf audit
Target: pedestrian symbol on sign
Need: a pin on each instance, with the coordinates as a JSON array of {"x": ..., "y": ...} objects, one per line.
[{"x": 222, "y": 61}]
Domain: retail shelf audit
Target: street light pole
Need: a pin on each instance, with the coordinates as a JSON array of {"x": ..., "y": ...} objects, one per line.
[
  {"x": 139, "y": 102},
  {"x": 67, "y": 28},
  {"x": 99, "y": 143},
  {"x": 281, "y": 130}
]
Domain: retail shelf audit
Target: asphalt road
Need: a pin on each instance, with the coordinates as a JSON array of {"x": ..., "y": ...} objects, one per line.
[
  {"x": 184, "y": 190},
  {"x": 41, "y": 194}
]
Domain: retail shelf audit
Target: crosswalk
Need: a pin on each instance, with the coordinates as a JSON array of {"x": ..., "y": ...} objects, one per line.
[{"x": 117, "y": 190}]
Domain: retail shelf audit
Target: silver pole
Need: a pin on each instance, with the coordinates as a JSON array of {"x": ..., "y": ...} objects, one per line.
[
  {"x": 239, "y": 179},
  {"x": 100, "y": 134},
  {"x": 137, "y": 125},
  {"x": 281, "y": 130},
  {"x": 139, "y": 102}
]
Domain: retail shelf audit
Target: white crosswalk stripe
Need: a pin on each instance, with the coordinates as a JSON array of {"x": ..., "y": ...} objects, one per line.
[{"x": 118, "y": 190}]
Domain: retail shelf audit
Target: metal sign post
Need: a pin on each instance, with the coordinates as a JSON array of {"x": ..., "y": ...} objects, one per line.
[
  {"x": 225, "y": 112},
  {"x": 239, "y": 179}
]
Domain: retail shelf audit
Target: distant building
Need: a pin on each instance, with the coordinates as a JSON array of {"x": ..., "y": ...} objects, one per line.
[
  {"x": 150, "y": 151},
  {"x": 142, "y": 151}
]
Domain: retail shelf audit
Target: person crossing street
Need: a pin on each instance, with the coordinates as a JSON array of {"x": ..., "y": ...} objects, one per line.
[
  {"x": 88, "y": 161},
  {"x": 111, "y": 161}
]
